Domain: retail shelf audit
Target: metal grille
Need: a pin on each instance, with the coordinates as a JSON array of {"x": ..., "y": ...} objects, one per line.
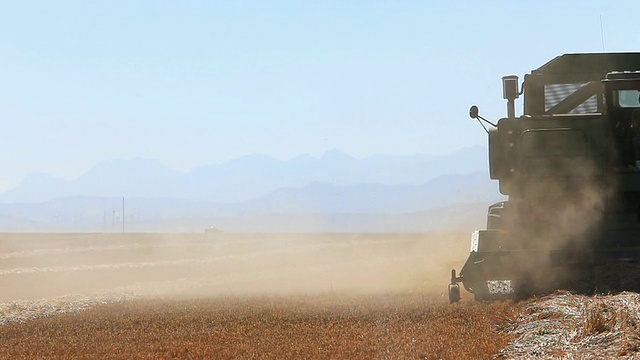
[{"x": 555, "y": 93}]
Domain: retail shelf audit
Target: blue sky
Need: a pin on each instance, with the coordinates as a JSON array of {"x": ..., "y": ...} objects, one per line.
[{"x": 191, "y": 83}]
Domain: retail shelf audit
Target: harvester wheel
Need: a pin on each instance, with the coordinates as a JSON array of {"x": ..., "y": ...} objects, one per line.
[
  {"x": 454, "y": 293},
  {"x": 481, "y": 292}
]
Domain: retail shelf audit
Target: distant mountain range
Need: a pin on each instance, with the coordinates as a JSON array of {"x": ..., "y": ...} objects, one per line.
[
  {"x": 335, "y": 192},
  {"x": 247, "y": 177}
]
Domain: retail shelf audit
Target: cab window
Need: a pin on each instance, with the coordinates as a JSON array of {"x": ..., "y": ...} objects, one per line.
[{"x": 627, "y": 98}]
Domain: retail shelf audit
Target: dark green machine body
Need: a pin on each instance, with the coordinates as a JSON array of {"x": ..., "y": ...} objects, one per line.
[{"x": 570, "y": 168}]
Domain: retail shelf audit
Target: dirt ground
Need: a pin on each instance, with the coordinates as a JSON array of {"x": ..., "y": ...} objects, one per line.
[{"x": 240, "y": 296}]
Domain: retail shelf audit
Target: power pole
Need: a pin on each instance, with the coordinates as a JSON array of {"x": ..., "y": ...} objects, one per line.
[{"x": 123, "y": 214}]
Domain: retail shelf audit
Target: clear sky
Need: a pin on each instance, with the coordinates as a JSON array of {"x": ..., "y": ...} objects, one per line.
[{"x": 191, "y": 82}]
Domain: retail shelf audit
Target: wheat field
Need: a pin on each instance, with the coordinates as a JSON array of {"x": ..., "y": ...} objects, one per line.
[
  {"x": 280, "y": 296},
  {"x": 238, "y": 296}
]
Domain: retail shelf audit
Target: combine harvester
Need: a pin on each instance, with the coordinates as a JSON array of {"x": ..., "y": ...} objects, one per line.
[{"x": 570, "y": 166}]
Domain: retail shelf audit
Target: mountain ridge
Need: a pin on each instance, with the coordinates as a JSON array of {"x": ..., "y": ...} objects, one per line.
[{"x": 244, "y": 178}]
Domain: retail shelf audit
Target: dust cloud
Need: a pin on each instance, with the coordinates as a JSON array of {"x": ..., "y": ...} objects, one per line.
[
  {"x": 40, "y": 266},
  {"x": 558, "y": 221}
]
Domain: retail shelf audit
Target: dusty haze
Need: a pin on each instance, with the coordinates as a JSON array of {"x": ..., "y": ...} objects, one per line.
[{"x": 43, "y": 266}]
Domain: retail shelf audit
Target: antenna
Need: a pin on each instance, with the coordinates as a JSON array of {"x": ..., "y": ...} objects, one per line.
[{"x": 602, "y": 33}]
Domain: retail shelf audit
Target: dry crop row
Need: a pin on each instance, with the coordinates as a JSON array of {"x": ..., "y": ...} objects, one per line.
[{"x": 320, "y": 326}]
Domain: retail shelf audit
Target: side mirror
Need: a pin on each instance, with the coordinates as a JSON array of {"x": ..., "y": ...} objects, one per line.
[{"x": 473, "y": 112}]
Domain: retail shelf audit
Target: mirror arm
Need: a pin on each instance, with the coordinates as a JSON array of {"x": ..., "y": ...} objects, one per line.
[
  {"x": 485, "y": 120},
  {"x": 481, "y": 124}
]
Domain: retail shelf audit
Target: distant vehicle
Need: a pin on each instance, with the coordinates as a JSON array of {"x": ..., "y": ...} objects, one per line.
[
  {"x": 212, "y": 230},
  {"x": 571, "y": 168}
]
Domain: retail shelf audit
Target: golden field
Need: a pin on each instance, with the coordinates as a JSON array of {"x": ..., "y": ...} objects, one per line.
[
  {"x": 280, "y": 296},
  {"x": 237, "y": 296}
]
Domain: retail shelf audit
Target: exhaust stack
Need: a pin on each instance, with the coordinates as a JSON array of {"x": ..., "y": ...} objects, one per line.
[{"x": 510, "y": 93}]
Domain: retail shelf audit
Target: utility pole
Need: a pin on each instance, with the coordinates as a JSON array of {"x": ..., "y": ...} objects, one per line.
[{"x": 123, "y": 214}]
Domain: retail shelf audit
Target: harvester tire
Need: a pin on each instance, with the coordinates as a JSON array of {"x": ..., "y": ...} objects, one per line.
[
  {"x": 454, "y": 293},
  {"x": 481, "y": 293}
]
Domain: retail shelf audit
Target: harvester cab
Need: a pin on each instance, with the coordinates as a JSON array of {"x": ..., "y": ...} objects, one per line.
[{"x": 570, "y": 166}]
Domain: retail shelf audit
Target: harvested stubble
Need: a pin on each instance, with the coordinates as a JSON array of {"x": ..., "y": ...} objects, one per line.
[
  {"x": 564, "y": 325},
  {"x": 302, "y": 327}
]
